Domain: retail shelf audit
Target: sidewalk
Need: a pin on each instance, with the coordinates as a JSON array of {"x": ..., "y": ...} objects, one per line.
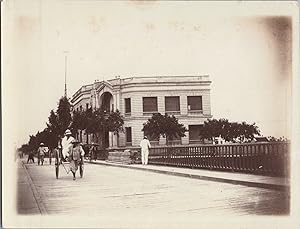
[
  {"x": 28, "y": 199},
  {"x": 278, "y": 183}
]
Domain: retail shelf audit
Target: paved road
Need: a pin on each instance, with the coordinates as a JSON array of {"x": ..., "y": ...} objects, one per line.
[
  {"x": 109, "y": 191},
  {"x": 26, "y": 202}
]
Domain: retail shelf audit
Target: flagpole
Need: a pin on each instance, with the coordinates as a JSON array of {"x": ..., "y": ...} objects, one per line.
[{"x": 66, "y": 61}]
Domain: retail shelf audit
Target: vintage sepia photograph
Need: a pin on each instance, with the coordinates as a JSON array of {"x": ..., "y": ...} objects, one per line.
[{"x": 150, "y": 114}]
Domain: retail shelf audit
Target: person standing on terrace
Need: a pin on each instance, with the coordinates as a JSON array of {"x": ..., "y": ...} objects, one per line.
[{"x": 145, "y": 146}]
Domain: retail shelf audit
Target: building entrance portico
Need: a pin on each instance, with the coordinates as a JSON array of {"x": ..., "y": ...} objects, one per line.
[
  {"x": 106, "y": 105},
  {"x": 106, "y": 102}
]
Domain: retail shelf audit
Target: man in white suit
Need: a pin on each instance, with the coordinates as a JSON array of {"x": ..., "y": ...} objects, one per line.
[
  {"x": 66, "y": 143},
  {"x": 145, "y": 146}
]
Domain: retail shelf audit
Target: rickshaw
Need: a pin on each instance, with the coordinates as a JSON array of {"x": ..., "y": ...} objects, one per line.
[
  {"x": 97, "y": 154},
  {"x": 60, "y": 161}
]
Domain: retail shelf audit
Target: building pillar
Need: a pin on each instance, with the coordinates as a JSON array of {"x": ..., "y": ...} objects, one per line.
[
  {"x": 137, "y": 135},
  {"x": 183, "y": 105},
  {"x": 122, "y": 139},
  {"x": 110, "y": 141},
  {"x": 115, "y": 99},
  {"x": 113, "y": 139},
  {"x": 162, "y": 141},
  {"x": 185, "y": 140},
  {"x": 161, "y": 104}
]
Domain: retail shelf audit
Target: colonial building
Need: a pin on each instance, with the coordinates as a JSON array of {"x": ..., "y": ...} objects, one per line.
[{"x": 137, "y": 98}]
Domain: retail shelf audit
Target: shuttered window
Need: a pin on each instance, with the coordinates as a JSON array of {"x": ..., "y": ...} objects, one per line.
[
  {"x": 128, "y": 133},
  {"x": 172, "y": 103},
  {"x": 127, "y": 105},
  {"x": 194, "y": 103},
  {"x": 150, "y": 104}
]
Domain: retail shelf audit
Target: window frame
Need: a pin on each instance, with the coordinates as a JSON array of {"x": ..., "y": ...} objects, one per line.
[
  {"x": 126, "y": 99},
  {"x": 189, "y": 108},
  {"x": 172, "y": 111},
  {"x": 156, "y": 105},
  {"x": 126, "y": 136}
]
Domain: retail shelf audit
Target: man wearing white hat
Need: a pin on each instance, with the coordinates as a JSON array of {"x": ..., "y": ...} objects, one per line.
[
  {"x": 41, "y": 153},
  {"x": 145, "y": 146},
  {"x": 66, "y": 143}
]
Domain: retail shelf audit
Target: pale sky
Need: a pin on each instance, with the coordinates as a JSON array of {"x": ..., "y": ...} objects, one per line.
[{"x": 247, "y": 54}]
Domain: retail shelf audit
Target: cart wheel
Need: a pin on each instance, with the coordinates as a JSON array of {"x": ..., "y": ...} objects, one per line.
[
  {"x": 81, "y": 170},
  {"x": 56, "y": 171},
  {"x": 56, "y": 164}
]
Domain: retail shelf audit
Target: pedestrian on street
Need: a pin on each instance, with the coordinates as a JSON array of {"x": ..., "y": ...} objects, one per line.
[
  {"x": 30, "y": 157},
  {"x": 92, "y": 152},
  {"x": 57, "y": 151},
  {"x": 41, "y": 153},
  {"x": 145, "y": 146},
  {"x": 75, "y": 157},
  {"x": 66, "y": 144}
]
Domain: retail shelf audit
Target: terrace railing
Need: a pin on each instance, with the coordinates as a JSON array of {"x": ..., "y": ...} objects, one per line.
[{"x": 270, "y": 158}]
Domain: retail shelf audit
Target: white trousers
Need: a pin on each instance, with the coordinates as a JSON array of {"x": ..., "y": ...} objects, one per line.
[{"x": 145, "y": 157}]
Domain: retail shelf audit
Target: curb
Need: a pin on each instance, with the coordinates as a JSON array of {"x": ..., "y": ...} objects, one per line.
[
  {"x": 201, "y": 177},
  {"x": 36, "y": 194}
]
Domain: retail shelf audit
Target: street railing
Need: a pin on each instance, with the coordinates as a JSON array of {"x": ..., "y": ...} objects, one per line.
[{"x": 270, "y": 158}]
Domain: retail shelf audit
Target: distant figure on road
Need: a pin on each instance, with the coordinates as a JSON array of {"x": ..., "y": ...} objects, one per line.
[
  {"x": 42, "y": 150},
  {"x": 92, "y": 151},
  {"x": 57, "y": 152},
  {"x": 75, "y": 157},
  {"x": 66, "y": 143},
  {"x": 30, "y": 157},
  {"x": 145, "y": 146}
]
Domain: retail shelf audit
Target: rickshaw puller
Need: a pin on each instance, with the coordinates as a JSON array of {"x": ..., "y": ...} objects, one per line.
[{"x": 75, "y": 157}]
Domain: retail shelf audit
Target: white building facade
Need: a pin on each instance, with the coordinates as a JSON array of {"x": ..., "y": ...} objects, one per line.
[{"x": 138, "y": 98}]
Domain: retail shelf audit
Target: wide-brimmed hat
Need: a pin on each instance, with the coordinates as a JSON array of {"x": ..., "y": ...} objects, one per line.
[
  {"x": 68, "y": 132},
  {"x": 42, "y": 143}
]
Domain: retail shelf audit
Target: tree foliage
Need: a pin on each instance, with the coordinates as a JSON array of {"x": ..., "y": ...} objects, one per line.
[
  {"x": 53, "y": 129},
  {"x": 79, "y": 121},
  {"x": 229, "y": 131},
  {"x": 115, "y": 122},
  {"x": 64, "y": 117},
  {"x": 92, "y": 121},
  {"x": 97, "y": 121},
  {"x": 24, "y": 148},
  {"x": 165, "y": 126},
  {"x": 275, "y": 139},
  {"x": 53, "y": 122}
]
